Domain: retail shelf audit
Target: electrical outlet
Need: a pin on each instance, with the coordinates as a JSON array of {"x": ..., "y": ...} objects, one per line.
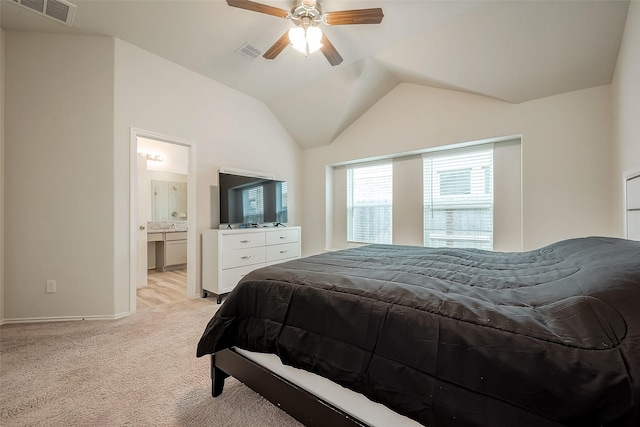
[{"x": 51, "y": 286}]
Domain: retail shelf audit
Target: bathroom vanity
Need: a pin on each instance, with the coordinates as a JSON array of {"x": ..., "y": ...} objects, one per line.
[{"x": 166, "y": 245}]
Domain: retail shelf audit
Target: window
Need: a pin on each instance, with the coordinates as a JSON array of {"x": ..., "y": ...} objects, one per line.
[
  {"x": 282, "y": 195},
  {"x": 253, "y": 205},
  {"x": 369, "y": 203},
  {"x": 458, "y": 198}
]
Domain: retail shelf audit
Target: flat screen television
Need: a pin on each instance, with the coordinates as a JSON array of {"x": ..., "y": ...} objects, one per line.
[{"x": 252, "y": 200}]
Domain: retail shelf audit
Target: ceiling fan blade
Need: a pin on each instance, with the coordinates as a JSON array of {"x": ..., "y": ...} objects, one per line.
[
  {"x": 350, "y": 17},
  {"x": 277, "y": 47},
  {"x": 259, "y": 7},
  {"x": 330, "y": 52}
]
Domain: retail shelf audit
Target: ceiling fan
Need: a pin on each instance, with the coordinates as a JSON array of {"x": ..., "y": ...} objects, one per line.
[{"x": 307, "y": 16}]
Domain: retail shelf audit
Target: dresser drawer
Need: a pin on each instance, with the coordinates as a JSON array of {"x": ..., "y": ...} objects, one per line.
[
  {"x": 280, "y": 252},
  {"x": 280, "y": 261},
  {"x": 241, "y": 257},
  {"x": 230, "y": 277},
  {"x": 239, "y": 241},
  {"x": 283, "y": 236}
]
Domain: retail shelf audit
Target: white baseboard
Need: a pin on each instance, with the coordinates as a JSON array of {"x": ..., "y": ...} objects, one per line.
[{"x": 62, "y": 318}]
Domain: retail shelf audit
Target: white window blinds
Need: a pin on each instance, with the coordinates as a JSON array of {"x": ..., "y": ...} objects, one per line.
[
  {"x": 369, "y": 203},
  {"x": 458, "y": 198},
  {"x": 253, "y": 205},
  {"x": 282, "y": 202}
]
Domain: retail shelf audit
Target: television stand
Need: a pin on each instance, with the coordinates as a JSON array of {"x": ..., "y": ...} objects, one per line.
[{"x": 228, "y": 255}]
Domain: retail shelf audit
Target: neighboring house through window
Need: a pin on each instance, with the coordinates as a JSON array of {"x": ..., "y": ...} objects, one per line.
[{"x": 458, "y": 198}]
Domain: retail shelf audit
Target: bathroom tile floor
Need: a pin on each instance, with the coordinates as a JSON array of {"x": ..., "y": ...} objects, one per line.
[{"x": 162, "y": 288}]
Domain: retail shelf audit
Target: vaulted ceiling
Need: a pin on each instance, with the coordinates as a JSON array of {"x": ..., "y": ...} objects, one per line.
[{"x": 514, "y": 51}]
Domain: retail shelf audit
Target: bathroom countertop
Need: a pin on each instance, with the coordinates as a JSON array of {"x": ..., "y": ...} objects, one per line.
[{"x": 166, "y": 226}]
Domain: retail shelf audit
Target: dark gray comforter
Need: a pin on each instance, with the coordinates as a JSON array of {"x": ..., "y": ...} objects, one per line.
[{"x": 456, "y": 337}]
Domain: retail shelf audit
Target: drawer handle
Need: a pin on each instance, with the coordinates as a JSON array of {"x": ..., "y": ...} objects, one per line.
[
  {"x": 283, "y": 237},
  {"x": 245, "y": 257},
  {"x": 245, "y": 241},
  {"x": 283, "y": 252}
]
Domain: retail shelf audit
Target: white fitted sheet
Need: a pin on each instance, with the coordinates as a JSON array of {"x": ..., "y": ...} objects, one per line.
[{"x": 355, "y": 404}]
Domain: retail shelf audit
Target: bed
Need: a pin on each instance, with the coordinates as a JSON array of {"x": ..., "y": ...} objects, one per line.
[{"x": 447, "y": 337}]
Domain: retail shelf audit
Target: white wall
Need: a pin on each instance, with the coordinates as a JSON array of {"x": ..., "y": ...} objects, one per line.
[
  {"x": 565, "y": 153},
  {"x": 626, "y": 105},
  {"x": 229, "y": 129},
  {"x": 59, "y": 176}
]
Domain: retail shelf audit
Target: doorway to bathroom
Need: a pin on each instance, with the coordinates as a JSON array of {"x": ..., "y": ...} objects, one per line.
[{"x": 164, "y": 220}]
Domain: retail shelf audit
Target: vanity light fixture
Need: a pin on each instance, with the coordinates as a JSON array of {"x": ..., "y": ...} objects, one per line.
[{"x": 152, "y": 157}]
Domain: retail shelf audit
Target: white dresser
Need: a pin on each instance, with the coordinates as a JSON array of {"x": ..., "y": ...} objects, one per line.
[{"x": 228, "y": 255}]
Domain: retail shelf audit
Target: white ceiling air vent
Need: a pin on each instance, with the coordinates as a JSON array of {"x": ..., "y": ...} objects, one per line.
[
  {"x": 248, "y": 51},
  {"x": 60, "y": 10}
]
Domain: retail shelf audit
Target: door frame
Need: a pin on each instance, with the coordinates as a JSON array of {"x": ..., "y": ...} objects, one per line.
[{"x": 136, "y": 133}]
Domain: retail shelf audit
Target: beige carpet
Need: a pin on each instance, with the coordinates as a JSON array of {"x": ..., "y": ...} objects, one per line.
[{"x": 136, "y": 371}]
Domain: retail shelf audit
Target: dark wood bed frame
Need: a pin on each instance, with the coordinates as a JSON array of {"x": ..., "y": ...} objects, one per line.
[{"x": 302, "y": 405}]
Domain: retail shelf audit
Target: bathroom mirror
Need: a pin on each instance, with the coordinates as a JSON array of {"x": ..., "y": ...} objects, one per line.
[{"x": 168, "y": 200}]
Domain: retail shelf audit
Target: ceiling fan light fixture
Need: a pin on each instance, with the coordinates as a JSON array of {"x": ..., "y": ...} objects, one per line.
[
  {"x": 314, "y": 38},
  {"x": 305, "y": 40},
  {"x": 306, "y": 15},
  {"x": 297, "y": 38}
]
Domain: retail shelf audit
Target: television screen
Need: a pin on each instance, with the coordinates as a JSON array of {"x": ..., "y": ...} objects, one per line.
[{"x": 252, "y": 200}]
